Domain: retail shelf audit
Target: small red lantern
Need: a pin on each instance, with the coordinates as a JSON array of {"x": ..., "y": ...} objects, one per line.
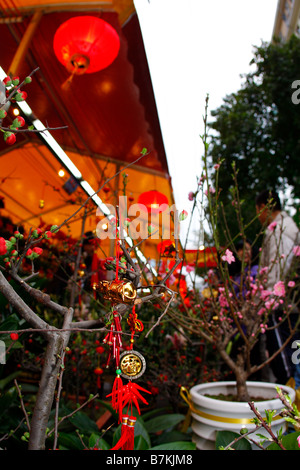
[
  {"x": 153, "y": 201},
  {"x": 86, "y": 44},
  {"x": 166, "y": 249}
]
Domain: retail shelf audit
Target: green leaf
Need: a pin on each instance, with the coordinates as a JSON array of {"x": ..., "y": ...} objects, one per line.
[
  {"x": 82, "y": 422},
  {"x": 11, "y": 323},
  {"x": 172, "y": 436},
  {"x": 161, "y": 423},
  {"x": 70, "y": 441},
  {"x": 8, "y": 379},
  {"x": 289, "y": 442},
  {"x": 223, "y": 438},
  {"x": 150, "y": 414},
  {"x": 179, "y": 445},
  {"x": 140, "y": 443},
  {"x": 7, "y": 400},
  {"x": 96, "y": 440},
  {"x": 109, "y": 408}
]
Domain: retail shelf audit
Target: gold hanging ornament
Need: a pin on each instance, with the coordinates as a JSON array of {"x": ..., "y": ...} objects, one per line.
[
  {"x": 117, "y": 291},
  {"x": 132, "y": 365}
]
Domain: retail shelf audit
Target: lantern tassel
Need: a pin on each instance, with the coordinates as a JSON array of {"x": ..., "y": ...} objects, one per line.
[
  {"x": 124, "y": 435},
  {"x": 129, "y": 445},
  {"x": 98, "y": 382},
  {"x": 67, "y": 84},
  {"x": 117, "y": 396}
]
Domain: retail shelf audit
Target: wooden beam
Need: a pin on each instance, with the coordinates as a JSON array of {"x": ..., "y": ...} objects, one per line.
[{"x": 24, "y": 44}]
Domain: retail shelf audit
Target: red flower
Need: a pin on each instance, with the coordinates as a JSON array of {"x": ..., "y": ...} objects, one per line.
[
  {"x": 9, "y": 138},
  {"x": 100, "y": 349},
  {"x": 20, "y": 120},
  {"x": 3, "y": 249},
  {"x": 22, "y": 95},
  {"x": 38, "y": 250},
  {"x": 7, "y": 80}
]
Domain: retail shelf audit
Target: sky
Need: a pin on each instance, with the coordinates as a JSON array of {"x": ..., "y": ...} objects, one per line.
[{"x": 195, "y": 48}]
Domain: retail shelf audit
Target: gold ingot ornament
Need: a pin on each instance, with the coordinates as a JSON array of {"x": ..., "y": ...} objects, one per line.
[
  {"x": 117, "y": 291},
  {"x": 132, "y": 364}
]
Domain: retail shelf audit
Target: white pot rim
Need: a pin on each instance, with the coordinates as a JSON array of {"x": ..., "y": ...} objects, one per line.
[{"x": 197, "y": 394}]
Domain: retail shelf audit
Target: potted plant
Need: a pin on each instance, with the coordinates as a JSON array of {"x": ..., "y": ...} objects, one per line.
[{"x": 231, "y": 314}]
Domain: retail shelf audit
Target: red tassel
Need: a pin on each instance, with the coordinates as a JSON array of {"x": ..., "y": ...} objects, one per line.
[
  {"x": 98, "y": 382},
  {"x": 117, "y": 396},
  {"x": 124, "y": 435},
  {"x": 127, "y": 395},
  {"x": 108, "y": 338},
  {"x": 129, "y": 445}
]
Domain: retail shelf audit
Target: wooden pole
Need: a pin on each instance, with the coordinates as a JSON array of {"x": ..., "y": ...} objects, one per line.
[{"x": 24, "y": 44}]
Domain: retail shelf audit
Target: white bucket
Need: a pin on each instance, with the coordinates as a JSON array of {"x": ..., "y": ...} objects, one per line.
[{"x": 211, "y": 415}]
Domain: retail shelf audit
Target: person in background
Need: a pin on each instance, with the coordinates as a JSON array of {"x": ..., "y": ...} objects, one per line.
[
  {"x": 281, "y": 236},
  {"x": 245, "y": 267},
  {"x": 243, "y": 273}
]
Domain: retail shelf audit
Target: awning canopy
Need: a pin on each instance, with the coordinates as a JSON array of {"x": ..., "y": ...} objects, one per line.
[{"x": 103, "y": 120}]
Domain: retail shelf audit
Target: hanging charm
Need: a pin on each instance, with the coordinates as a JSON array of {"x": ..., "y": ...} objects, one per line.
[
  {"x": 117, "y": 291},
  {"x": 129, "y": 364},
  {"x": 132, "y": 365}
]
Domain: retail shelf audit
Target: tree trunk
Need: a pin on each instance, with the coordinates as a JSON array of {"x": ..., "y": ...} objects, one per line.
[
  {"x": 241, "y": 387},
  {"x": 45, "y": 395}
]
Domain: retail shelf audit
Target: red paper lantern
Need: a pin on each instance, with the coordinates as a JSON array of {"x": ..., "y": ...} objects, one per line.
[
  {"x": 154, "y": 201},
  {"x": 166, "y": 248},
  {"x": 86, "y": 44}
]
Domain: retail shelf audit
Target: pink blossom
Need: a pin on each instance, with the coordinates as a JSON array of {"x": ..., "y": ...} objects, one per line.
[
  {"x": 263, "y": 270},
  {"x": 216, "y": 166},
  {"x": 211, "y": 190},
  {"x": 272, "y": 226},
  {"x": 183, "y": 215},
  {"x": 191, "y": 196},
  {"x": 298, "y": 440},
  {"x": 279, "y": 289},
  {"x": 291, "y": 284},
  {"x": 262, "y": 327},
  {"x": 261, "y": 311},
  {"x": 296, "y": 250},
  {"x": 265, "y": 294},
  {"x": 228, "y": 257},
  {"x": 222, "y": 298},
  {"x": 271, "y": 304},
  {"x": 178, "y": 340},
  {"x": 223, "y": 301},
  {"x": 189, "y": 269}
]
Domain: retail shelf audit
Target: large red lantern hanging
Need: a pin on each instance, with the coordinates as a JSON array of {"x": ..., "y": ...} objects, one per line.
[
  {"x": 86, "y": 44},
  {"x": 153, "y": 201}
]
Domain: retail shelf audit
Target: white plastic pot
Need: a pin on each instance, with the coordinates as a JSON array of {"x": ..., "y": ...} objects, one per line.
[{"x": 210, "y": 414}]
